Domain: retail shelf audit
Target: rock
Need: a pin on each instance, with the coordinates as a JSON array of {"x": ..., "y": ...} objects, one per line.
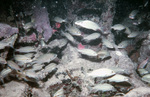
[
  {"x": 40, "y": 93},
  {"x": 6, "y": 30},
  {"x": 13, "y": 89}
]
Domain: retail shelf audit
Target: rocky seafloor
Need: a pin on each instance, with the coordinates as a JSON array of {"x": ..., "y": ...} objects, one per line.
[{"x": 42, "y": 56}]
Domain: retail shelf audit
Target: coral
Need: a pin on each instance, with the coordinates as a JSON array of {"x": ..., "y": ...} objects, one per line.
[
  {"x": 41, "y": 22},
  {"x": 29, "y": 39},
  {"x": 7, "y": 30}
]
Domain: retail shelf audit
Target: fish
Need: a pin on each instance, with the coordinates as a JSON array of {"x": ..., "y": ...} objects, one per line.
[
  {"x": 29, "y": 55},
  {"x": 4, "y": 73},
  {"x": 42, "y": 43},
  {"x": 58, "y": 43},
  {"x": 69, "y": 37},
  {"x": 119, "y": 53},
  {"x": 101, "y": 72},
  {"x": 59, "y": 20},
  {"x": 146, "y": 3},
  {"x": 45, "y": 58},
  {"x": 124, "y": 44},
  {"x": 144, "y": 63},
  {"x": 8, "y": 42},
  {"x": 62, "y": 43},
  {"x": 103, "y": 54},
  {"x": 27, "y": 26},
  {"x": 140, "y": 20},
  {"x": 107, "y": 43},
  {"x": 87, "y": 52},
  {"x": 122, "y": 71},
  {"x": 11, "y": 40},
  {"x": 2, "y": 61},
  {"x": 133, "y": 14},
  {"x": 59, "y": 93},
  {"x": 30, "y": 76},
  {"x": 133, "y": 34},
  {"x": 37, "y": 67},
  {"x": 4, "y": 44},
  {"x": 13, "y": 65},
  {"x": 146, "y": 78},
  {"x": 118, "y": 27},
  {"x": 88, "y": 25},
  {"x": 49, "y": 68},
  {"x": 74, "y": 31},
  {"x": 26, "y": 58},
  {"x": 103, "y": 87},
  {"x": 142, "y": 71},
  {"x": 91, "y": 37},
  {"x": 127, "y": 31},
  {"x": 26, "y": 49},
  {"x": 118, "y": 78}
]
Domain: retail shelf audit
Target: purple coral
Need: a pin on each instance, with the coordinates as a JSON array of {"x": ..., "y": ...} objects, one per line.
[
  {"x": 7, "y": 30},
  {"x": 41, "y": 22}
]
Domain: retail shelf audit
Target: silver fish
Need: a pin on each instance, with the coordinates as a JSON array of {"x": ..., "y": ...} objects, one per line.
[
  {"x": 58, "y": 43},
  {"x": 11, "y": 40},
  {"x": 37, "y": 67},
  {"x": 127, "y": 31},
  {"x": 103, "y": 88},
  {"x": 120, "y": 71},
  {"x": 103, "y": 54},
  {"x": 4, "y": 44},
  {"x": 69, "y": 37},
  {"x": 133, "y": 14},
  {"x": 30, "y": 76},
  {"x": 140, "y": 20},
  {"x": 49, "y": 68},
  {"x": 142, "y": 71},
  {"x": 26, "y": 49},
  {"x": 26, "y": 58},
  {"x": 13, "y": 65},
  {"x": 107, "y": 43},
  {"x": 2, "y": 61},
  {"x": 42, "y": 42},
  {"x": 118, "y": 78},
  {"x": 87, "y": 52},
  {"x": 124, "y": 44},
  {"x": 59, "y": 20},
  {"x": 91, "y": 37},
  {"x": 74, "y": 31},
  {"x": 146, "y": 3},
  {"x": 118, "y": 27},
  {"x": 133, "y": 34},
  {"x": 4, "y": 73},
  {"x": 88, "y": 25},
  {"x": 102, "y": 72},
  {"x": 146, "y": 78},
  {"x": 59, "y": 93},
  {"x": 144, "y": 63},
  {"x": 27, "y": 26},
  {"x": 63, "y": 42},
  {"x": 46, "y": 58}
]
